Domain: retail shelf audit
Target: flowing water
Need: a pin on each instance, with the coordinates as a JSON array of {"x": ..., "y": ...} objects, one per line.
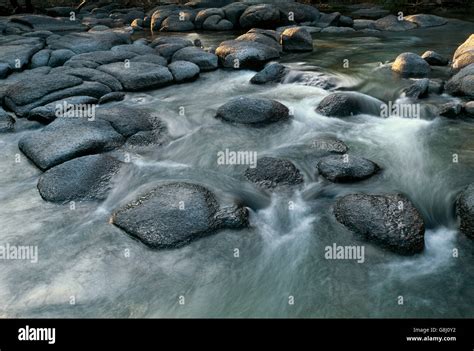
[{"x": 281, "y": 257}]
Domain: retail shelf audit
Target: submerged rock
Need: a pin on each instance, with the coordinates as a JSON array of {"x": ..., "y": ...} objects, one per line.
[
  {"x": 343, "y": 104},
  {"x": 83, "y": 178},
  {"x": 296, "y": 39},
  {"x": 253, "y": 111},
  {"x": 390, "y": 221},
  {"x": 346, "y": 168},
  {"x": 273, "y": 172},
  {"x": 411, "y": 65},
  {"x": 172, "y": 215},
  {"x": 465, "y": 210},
  {"x": 464, "y": 54},
  {"x": 68, "y": 138}
]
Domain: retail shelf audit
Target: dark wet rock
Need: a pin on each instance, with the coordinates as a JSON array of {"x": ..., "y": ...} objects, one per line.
[
  {"x": 58, "y": 57},
  {"x": 465, "y": 210},
  {"x": 137, "y": 49},
  {"x": 245, "y": 54},
  {"x": 363, "y": 24},
  {"x": 43, "y": 34},
  {"x": 435, "y": 59},
  {"x": 312, "y": 79},
  {"x": 338, "y": 30},
  {"x": 253, "y": 111},
  {"x": 68, "y": 138},
  {"x": 462, "y": 83},
  {"x": 184, "y": 71},
  {"x": 411, "y": 65},
  {"x": 450, "y": 110},
  {"x": 436, "y": 86},
  {"x": 346, "y": 168},
  {"x": 7, "y": 123},
  {"x": 263, "y": 36},
  {"x": 139, "y": 75},
  {"x": 346, "y": 21},
  {"x": 97, "y": 58},
  {"x": 4, "y": 70},
  {"x": 392, "y": 24},
  {"x": 173, "y": 23},
  {"x": 172, "y": 215},
  {"x": 202, "y": 15},
  {"x": 94, "y": 75},
  {"x": 41, "y": 58},
  {"x": 273, "y": 72},
  {"x": 273, "y": 172},
  {"x": 217, "y": 23},
  {"x": 296, "y": 40},
  {"x": 390, "y": 221},
  {"x": 418, "y": 90},
  {"x": 17, "y": 54},
  {"x": 424, "y": 21},
  {"x": 328, "y": 19},
  {"x": 88, "y": 42},
  {"x": 151, "y": 58},
  {"x": 83, "y": 178},
  {"x": 234, "y": 11},
  {"x": 41, "y": 22},
  {"x": 343, "y": 104},
  {"x": 464, "y": 55},
  {"x": 205, "y": 60},
  {"x": 260, "y": 16},
  {"x": 373, "y": 12},
  {"x": 300, "y": 13},
  {"x": 127, "y": 120},
  {"x": 113, "y": 96},
  {"x": 49, "y": 112}
]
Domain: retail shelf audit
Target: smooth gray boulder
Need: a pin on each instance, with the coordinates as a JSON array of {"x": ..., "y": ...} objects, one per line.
[
  {"x": 68, "y": 138},
  {"x": 260, "y": 16},
  {"x": 328, "y": 20},
  {"x": 271, "y": 173},
  {"x": 175, "y": 214},
  {"x": 81, "y": 179},
  {"x": 242, "y": 54},
  {"x": 465, "y": 211},
  {"x": 360, "y": 24},
  {"x": 47, "y": 23},
  {"x": 89, "y": 41},
  {"x": 392, "y": 24},
  {"x": 424, "y": 21},
  {"x": 17, "y": 55},
  {"x": 234, "y": 11},
  {"x": 343, "y": 104},
  {"x": 296, "y": 40},
  {"x": 217, "y": 23},
  {"x": 411, "y": 65},
  {"x": 450, "y": 110},
  {"x": 389, "y": 220},
  {"x": 58, "y": 57},
  {"x": 434, "y": 59},
  {"x": 263, "y": 36},
  {"x": 462, "y": 83},
  {"x": 202, "y": 15},
  {"x": 49, "y": 112},
  {"x": 151, "y": 58},
  {"x": 183, "y": 71},
  {"x": 252, "y": 111},
  {"x": 113, "y": 96},
  {"x": 41, "y": 58},
  {"x": 464, "y": 54},
  {"x": 174, "y": 23},
  {"x": 273, "y": 72},
  {"x": 7, "y": 123},
  {"x": 205, "y": 60},
  {"x": 139, "y": 75},
  {"x": 346, "y": 168}
]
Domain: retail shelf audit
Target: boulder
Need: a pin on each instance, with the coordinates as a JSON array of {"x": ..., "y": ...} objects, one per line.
[
  {"x": 183, "y": 71},
  {"x": 139, "y": 75},
  {"x": 273, "y": 72},
  {"x": 346, "y": 168},
  {"x": 68, "y": 138},
  {"x": 205, "y": 13},
  {"x": 464, "y": 54},
  {"x": 58, "y": 57},
  {"x": 450, "y": 110},
  {"x": 360, "y": 24},
  {"x": 418, "y": 90},
  {"x": 205, "y": 60},
  {"x": 424, "y": 21},
  {"x": 462, "y": 83},
  {"x": 273, "y": 172},
  {"x": 392, "y": 24},
  {"x": 49, "y": 112},
  {"x": 88, "y": 42},
  {"x": 46, "y": 23},
  {"x": 338, "y": 30},
  {"x": 239, "y": 54},
  {"x": 263, "y": 36},
  {"x": 465, "y": 211},
  {"x": 151, "y": 58},
  {"x": 173, "y": 23},
  {"x": 390, "y": 221},
  {"x": 411, "y": 65},
  {"x": 172, "y": 215},
  {"x": 234, "y": 11},
  {"x": 469, "y": 108},
  {"x": 7, "y": 123},
  {"x": 260, "y": 16},
  {"x": 343, "y": 104},
  {"x": 83, "y": 178},
  {"x": 252, "y": 111},
  {"x": 434, "y": 59},
  {"x": 217, "y": 23},
  {"x": 296, "y": 40},
  {"x": 113, "y": 96},
  {"x": 328, "y": 20},
  {"x": 372, "y": 12}
]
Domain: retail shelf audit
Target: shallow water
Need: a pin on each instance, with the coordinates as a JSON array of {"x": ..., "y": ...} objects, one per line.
[{"x": 282, "y": 254}]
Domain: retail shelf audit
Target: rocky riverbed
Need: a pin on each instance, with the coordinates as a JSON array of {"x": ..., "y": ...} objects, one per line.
[{"x": 197, "y": 160}]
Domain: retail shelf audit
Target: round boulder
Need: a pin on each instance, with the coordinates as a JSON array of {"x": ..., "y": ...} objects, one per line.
[
  {"x": 346, "y": 168},
  {"x": 273, "y": 172},
  {"x": 465, "y": 210},
  {"x": 411, "y": 65},
  {"x": 296, "y": 39},
  {"x": 343, "y": 104},
  {"x": 184, "y": 71}
]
